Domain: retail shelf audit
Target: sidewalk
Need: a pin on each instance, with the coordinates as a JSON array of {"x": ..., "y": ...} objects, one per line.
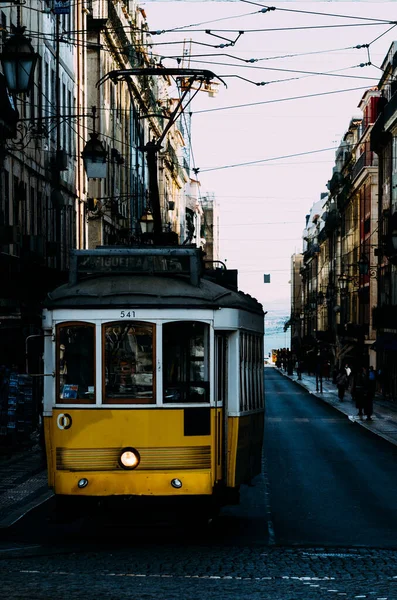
[
  {"x": 384, "y": 418},
  {"x": 23, "y": 484}
]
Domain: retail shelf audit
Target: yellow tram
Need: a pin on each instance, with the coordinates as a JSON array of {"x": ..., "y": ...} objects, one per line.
[{"x": 158, "y": 378}]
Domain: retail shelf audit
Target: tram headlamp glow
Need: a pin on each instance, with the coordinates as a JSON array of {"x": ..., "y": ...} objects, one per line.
[
  {"x": 176, "y": 483},
  {"x": 129, "y": 458},
  {"x": 82, "y": 483}
]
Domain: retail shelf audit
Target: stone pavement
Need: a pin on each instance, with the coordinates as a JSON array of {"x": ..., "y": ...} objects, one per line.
[
  {"x": 23, "y": 484},
  {"x": 23, "y": 477},
  {"x": 384, "y": 418}
]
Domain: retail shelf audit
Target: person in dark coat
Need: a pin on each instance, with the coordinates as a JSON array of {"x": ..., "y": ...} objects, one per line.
[
  {"x": 360, "y": 392},
  {"x": 371, "y": 391},
  {"x": 341, "y": 383}
]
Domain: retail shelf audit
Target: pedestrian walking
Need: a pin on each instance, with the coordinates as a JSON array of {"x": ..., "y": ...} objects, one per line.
[
  {"x": 335, "y": 374},
  {"x": 299, "y": 369},
  {"x": 319, "y": 373},
  {"x": 360, "y": 392},
  {"x": 341, "y": 383},
  {"x": 349, "y": 375},
  {"x": 371, "y": 392}
]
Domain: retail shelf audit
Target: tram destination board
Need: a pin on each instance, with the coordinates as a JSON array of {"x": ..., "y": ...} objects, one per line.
[
  {"x": 181, "y": 261},
  {"x": 133, "y": 264}
]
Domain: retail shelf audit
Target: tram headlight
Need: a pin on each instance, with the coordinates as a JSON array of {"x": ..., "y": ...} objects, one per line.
[
  {"x": 176, "y": 483},
  {"x": 129, "y": 458},
  {"x": 82, "y": 483}
]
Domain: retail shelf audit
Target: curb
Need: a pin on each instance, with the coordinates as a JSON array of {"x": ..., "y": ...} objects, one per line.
[
  {"x": 16, "y": 515},
  {"x": 369, "y": 426}
]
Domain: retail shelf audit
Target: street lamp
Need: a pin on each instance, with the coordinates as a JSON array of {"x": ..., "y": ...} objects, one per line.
[
  {"x": 343, "y": 281},
  {"x": 94, "y": 158},
  {"x": 147, "y": 222},
  {"x": 94, "y": 154},
  {"x": 363, "y": 265},
  {"x": 18, "y": 60}
]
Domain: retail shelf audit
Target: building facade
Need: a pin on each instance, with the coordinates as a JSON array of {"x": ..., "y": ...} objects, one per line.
[
  {"x": 48, "y": 202},
  {"x": 349, "y": 258}
]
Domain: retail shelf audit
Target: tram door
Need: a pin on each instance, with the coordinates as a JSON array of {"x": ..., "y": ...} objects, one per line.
[{"x": 221, "y": 401}]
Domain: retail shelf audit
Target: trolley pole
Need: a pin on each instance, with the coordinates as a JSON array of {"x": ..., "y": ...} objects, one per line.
[{"x": 189, "y": 77}]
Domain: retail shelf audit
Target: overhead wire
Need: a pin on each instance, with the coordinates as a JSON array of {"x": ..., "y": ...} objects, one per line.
[
  {"x": 277, "y": 29},
  {"x": 312, "y": 12},
  {"x": 305, "y": 73},
  {"x": 253, "y": 60},
  {"x": 249, "y": 104},
  {"x": 308, "y": 73},
  {"x": 183, "y": 27}
]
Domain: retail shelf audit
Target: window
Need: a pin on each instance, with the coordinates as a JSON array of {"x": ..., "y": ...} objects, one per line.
[
  {"x": 251, "y": 372},
  {"x": 76, "y": 363},
  {"x": 221, "y": 368},
  {"x": 186, "y": 362},
  {"x": 129, "y": 363}
]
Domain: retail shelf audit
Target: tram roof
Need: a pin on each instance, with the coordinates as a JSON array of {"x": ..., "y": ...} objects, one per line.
[{"x": 115, "y": 290}]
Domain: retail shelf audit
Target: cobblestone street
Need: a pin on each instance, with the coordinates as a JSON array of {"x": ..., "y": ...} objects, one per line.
[
  {"x": 202, "y": 571},
  {"x": 233, "y": 558}
]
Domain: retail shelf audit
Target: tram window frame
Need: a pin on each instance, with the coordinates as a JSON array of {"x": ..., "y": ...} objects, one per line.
[
  {"x": 184, "y": 387},
  {"x": 128, "y": 399},
  {"x": 221, "y": 370},
  {"x": 251, "y": 361},
  {"x": 59, "y": 367}
]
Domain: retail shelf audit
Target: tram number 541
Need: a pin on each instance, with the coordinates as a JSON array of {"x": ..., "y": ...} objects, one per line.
[{"x": 125, "y": 314}]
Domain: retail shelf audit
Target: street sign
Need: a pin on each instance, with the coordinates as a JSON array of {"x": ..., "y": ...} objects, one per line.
[{"x": 62, "y": 7}]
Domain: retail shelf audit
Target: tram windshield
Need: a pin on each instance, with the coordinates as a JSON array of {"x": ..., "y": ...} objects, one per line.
[
  {"x": 128, "y": 366},
  {"x": 76, "y": 362},
  {"x": 186, "y": 362}
]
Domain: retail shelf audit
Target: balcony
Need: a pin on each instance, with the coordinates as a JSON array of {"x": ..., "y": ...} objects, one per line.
[
  {"x": 390, "y": 109},
  {"x": 335, "y": 183},
  {"x": 367, "y": 159},
  {"x": 332, "y": 222},
  {"x": 353, "y": 331},
  {"x": 344, "y": 196}
]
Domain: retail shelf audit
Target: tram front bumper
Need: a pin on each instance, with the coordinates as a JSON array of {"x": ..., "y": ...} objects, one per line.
[{"x": 133, "y": 483}]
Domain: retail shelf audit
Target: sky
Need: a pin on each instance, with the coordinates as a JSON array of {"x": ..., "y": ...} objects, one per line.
[{"x": 267, "y": 151}]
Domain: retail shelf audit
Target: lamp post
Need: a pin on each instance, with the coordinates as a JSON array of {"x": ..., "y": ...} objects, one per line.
[
  {"x": 364, "y": 267},
  {"x": 343, "y": 281},
  {"x": 147, "y": 222},
  {"x": 18, "y": 59},
  {"x": 94, "y": 154}
]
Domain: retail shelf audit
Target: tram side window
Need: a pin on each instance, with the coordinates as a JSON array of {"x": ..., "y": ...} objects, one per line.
[
  {"x": 186, "y": 362},
  {"x": 251, "y": 372},
  {"x": 129, "y": 363},
  {"x": 76, "y": 362}
]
